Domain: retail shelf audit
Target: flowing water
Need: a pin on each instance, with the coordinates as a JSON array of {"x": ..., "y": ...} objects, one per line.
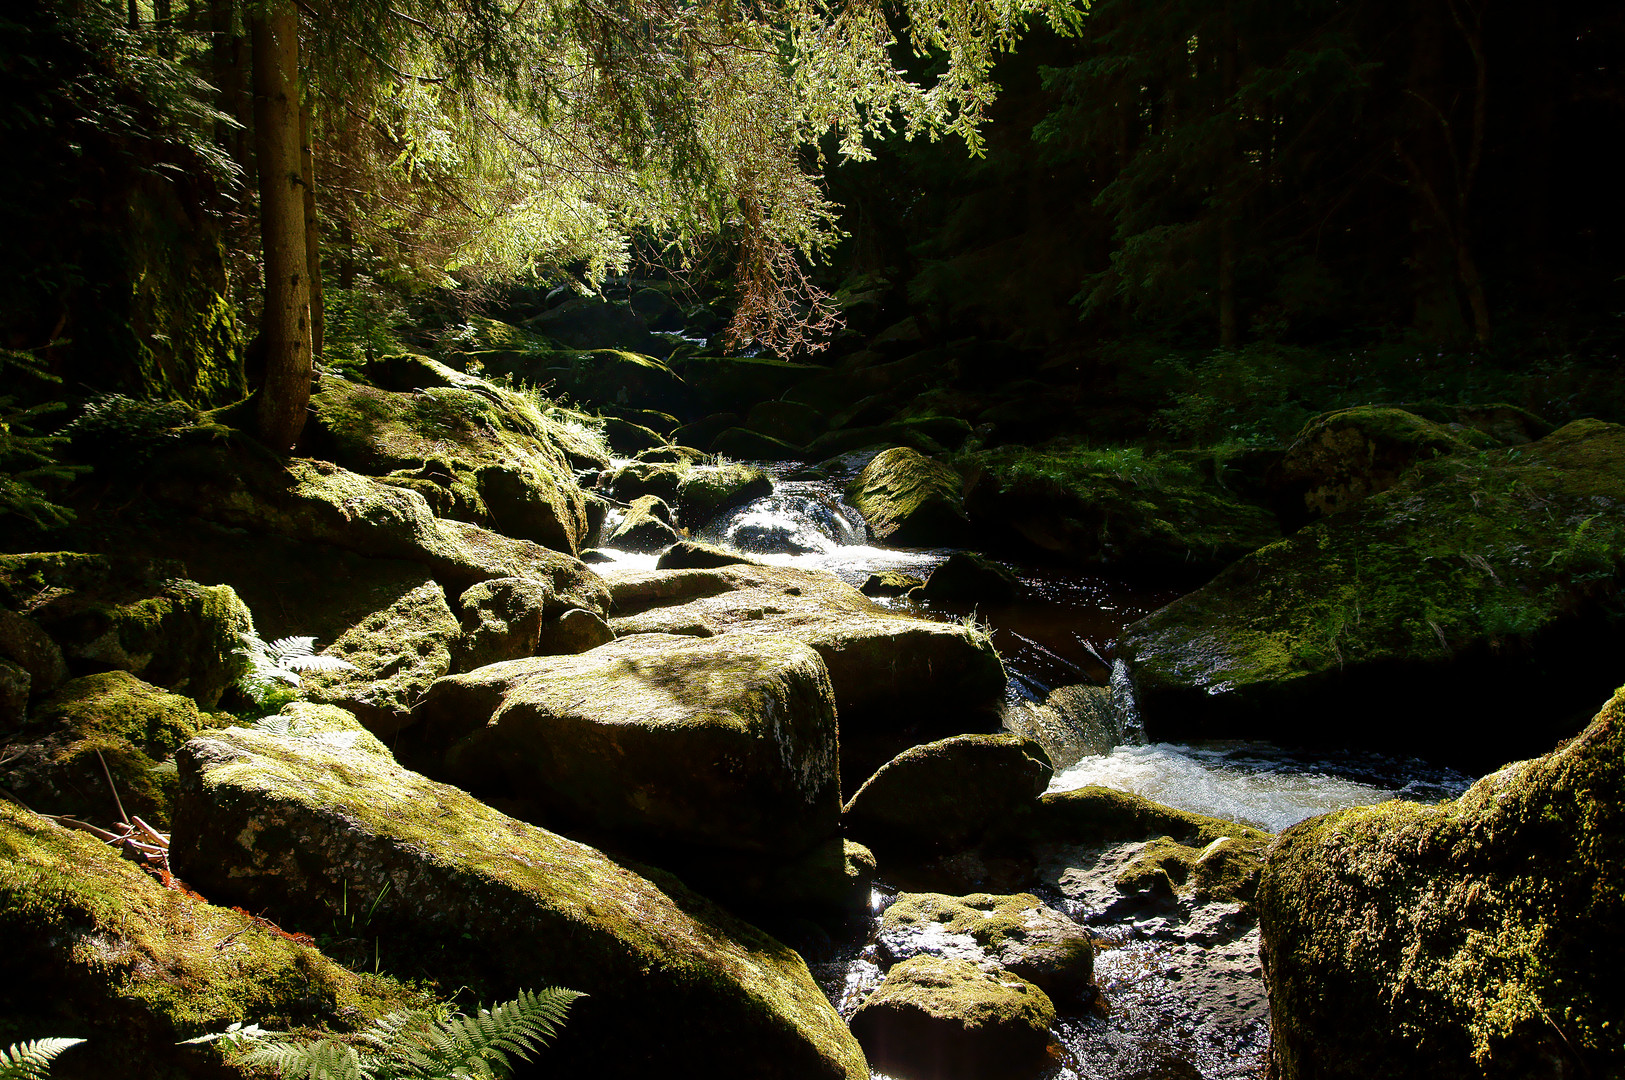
[{"x": 1183, "y": 1002}]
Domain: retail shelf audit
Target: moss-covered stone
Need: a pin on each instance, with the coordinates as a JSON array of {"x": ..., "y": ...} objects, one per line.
[
  {"x": 318, "y": 502},
  {"x": 1226, "y": 868},
  {"x": 396, "y": 652},
  {"x": 697, "y": 555},
  {"x": 948, "y": 794},
  {"x": 479, "y": 453},
  {"x": 908, "y": 500},
  {"x": 707, "y": 490},
  {"x": 653, "y": 739},
  {"x": 1113, "y": 507},
  {"x": 132, "y": 616},
  {"x": 99, "y": 950},
  {"x": 56, "y": 764},
  {"x": 968, "y": 578},
  {"x": 887, "y": 669},
  {"x": 1480, "y": 580},
  {"x": 1017, "y": 933},
  {"x": 1476, "y": 938},
  {"x": 1341, "y": 457},
  {"x": 949, "y": 1019},
  {"x": 739, "y": 442},
  {"x": 890, "y": 583},
  {"x": 507, "y": 618},
  {"x": 646, "y": 527},
  {"x": 14, "y": 690},
  {"x": 676, "y": 984},
  {"x": 930, "y": 435},
  {"x": 788, "y": 421},
  {"x": 1099, "y": 815},
  {"x": 734, "y": 383},
  {"x": 25, "y": 644}
]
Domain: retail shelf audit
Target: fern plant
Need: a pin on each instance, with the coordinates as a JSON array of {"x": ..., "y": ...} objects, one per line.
[
  {"x": 32, "y": 1060},
  {"x": 410, "y": 1044},
  {"x": 274, "y": 666}
]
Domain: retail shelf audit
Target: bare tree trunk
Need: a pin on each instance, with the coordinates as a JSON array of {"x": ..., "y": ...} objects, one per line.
[
  {"x": 285, "y": 327},
  {"x": 133, "y": 15},
  {"x": 313, "y": 248},
  {"x": 163, "y": 24},
  {"x": 230, "y": 61}
]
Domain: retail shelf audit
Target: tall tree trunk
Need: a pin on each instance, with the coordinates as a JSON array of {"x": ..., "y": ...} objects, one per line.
[
  {"x": 313, "y": 248},
  {"x": 163, "y": 25},
  {"x": 133, "y": 16},
  {"x": 230, "y": 61},
  {"x": 285, "y": 325}
]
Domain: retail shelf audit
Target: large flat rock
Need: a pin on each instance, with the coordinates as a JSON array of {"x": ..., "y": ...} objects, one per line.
[
  {"x": 291, "y": 824},
  {"x": 886, "y": 669},
  {"x": 714, "y": 742}
]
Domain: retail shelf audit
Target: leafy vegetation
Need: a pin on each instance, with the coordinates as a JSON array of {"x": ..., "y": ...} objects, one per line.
[
  {"x": 410, "y": 1044},
  {"x": 32, "y": 1060},
  {"x": 274, "y": 667}
]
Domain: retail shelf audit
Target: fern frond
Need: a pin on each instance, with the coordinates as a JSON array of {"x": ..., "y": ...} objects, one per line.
[
  {"x": 32, "y": 1060},
  {"x": 318, "y": 663},
  {"x": 323, "y": 1060},
  {"x": 479, "y": 1045},
  {"x": 289, "y": 648}
]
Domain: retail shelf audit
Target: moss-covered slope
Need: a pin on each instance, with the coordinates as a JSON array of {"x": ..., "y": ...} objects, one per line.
[
  {"x": 1483, "y": 581},
  {"x": 1480, "y": 939}
]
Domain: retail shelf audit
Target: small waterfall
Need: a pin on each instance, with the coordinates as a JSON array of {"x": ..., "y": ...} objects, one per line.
[
  {"x": 789, "y": 523},
  {"x": 1130, "y": 729}
]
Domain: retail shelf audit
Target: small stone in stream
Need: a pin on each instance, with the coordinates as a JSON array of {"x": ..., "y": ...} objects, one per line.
[
  {"x": 694, "y": 555},
  {"x": 593, "y": 556},
  {"x": 575, "y": 631},
  {"x": 973, "y": 579},
  {"x": 948, "y": 1019},
  {"x": 1018, "y": 934},
  {"x": 890, "y": 583}
]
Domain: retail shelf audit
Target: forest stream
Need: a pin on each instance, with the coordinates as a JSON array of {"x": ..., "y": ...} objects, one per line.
[{"x": 1180, "y": 989}]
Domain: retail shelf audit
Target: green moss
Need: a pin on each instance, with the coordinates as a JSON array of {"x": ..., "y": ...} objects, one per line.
[
  {"x": 1117, "y": 505},
  {"x": 103, "y": 948},
  {"x": 1476, "y": 938},
  {"x": 494, "y": 902},
  {"x": 500, "y": 460},
  {"x": 1466, "y": 552},
  {"x": 1099, "y": 815}
]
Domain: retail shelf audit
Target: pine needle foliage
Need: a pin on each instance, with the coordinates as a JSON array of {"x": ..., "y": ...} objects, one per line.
[
  {"x": 412, "y": 1044},
  {"x": 32, "y": 1060},
  {"x": 28, "y": 457}
]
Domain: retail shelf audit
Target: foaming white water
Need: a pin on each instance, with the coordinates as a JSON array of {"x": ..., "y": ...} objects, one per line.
[{"x": 1252, "y": 783}]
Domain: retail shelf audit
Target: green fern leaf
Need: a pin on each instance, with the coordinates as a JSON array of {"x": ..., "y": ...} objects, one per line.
[{"x": 32, "y": 1060}]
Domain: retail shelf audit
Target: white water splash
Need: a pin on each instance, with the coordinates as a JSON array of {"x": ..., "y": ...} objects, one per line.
[{"x": 1255, "y": 783}]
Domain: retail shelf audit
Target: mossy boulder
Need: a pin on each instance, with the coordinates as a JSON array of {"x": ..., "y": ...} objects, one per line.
[
  {"x": 130, "y": 615},
  {"x": 1114, "y": 507},
  {"x": 887, "y": 669},
  {"x": 718, "y": 384},
  {"x": 395, "y": 653},
  {"x": 653, "y": 739},
  {"x": 890, "y": 583},
  {"x": 483, "y": 454},
  {"x": 318, "y": 502},
  {"x": 1483, "y": 581},
  {"x": 289, "y": 825},
  {"x": 24, "y": 643},
  {"x": 949, "y": 794},
  {"x": 1475, "y": 938},
  {"x": 1099, "y": 815},
  {"x": 788, "y": 421},
  {"x": 946, "y": 1019},
  {"x": 56, "y": 763},
  {"x": 99, "y": 950},
  {"x": 15, "y": 684},
  {"x": 707, "y": 490},
  {"x": 930, "y": 435},
  {"x": 743, "y": 443},
  {"x": 637, "y": 478},
  {"x": 1225, "y": 869},
  {"x": 646, "y": 527},
  {"x": 591, "y": 322},
  {"x": 508, "y": 618},
  {"x": 1017, "y": 933},
  {"x": 908, "y": 500},
  {"x": 968, "y": 578},
  {"x": 1341, "y": 457},
  {"x": 697, "y": 555}
]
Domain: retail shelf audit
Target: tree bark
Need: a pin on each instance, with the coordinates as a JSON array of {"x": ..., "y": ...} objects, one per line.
[
  {"x": 285, "y": 326},
  {"x": 1229, "y": 333},
  {"x": 313, "y": 249}
]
